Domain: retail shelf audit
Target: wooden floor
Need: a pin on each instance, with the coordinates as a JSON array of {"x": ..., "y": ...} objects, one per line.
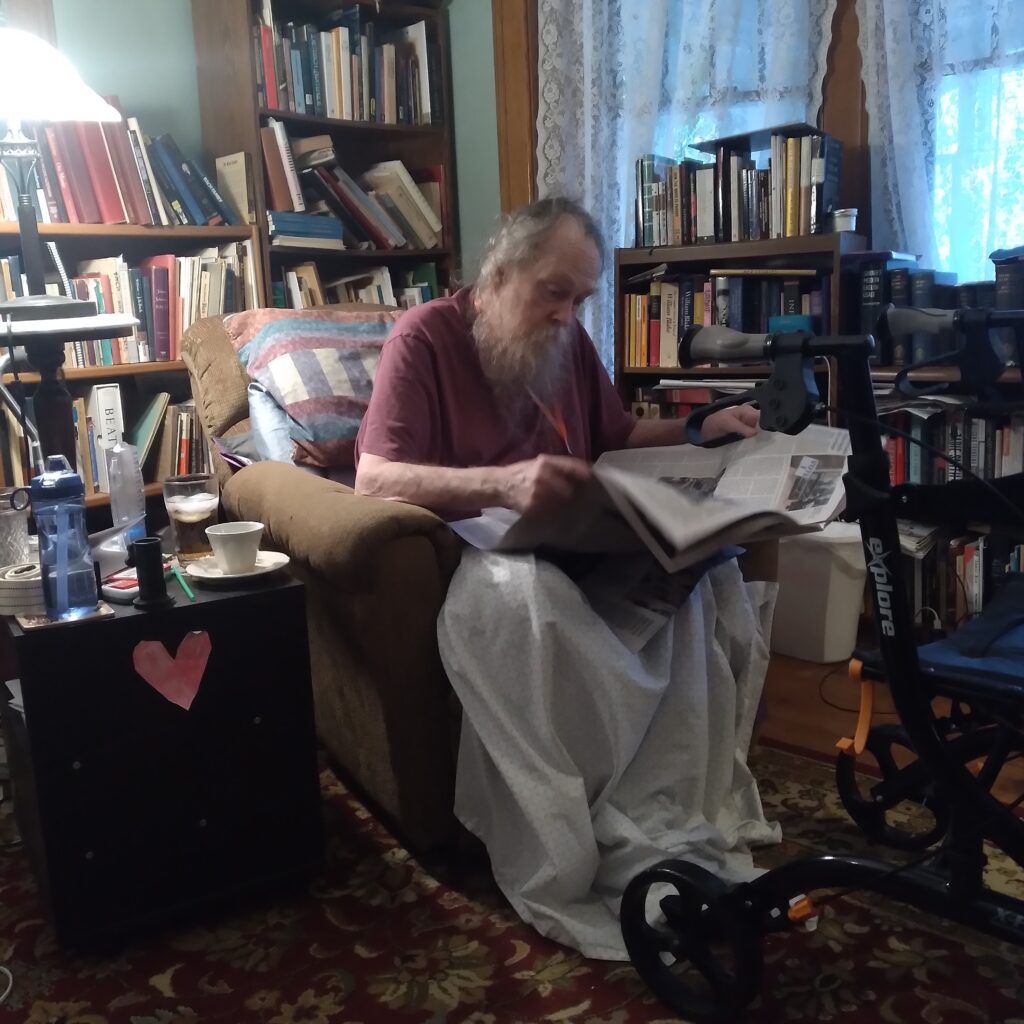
[{"x": 797, "y": 717}]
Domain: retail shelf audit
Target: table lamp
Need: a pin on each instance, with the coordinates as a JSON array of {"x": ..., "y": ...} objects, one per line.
[{"x": 39, "y": 84}]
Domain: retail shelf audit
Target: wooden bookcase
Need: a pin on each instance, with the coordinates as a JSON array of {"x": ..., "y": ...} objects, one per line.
[
  {"x": 232, "y": 118},
  {"x": 77, "y": 242},
  {"x": 822, "y": 253}
]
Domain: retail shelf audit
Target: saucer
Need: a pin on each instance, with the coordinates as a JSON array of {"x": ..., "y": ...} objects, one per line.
[{"x": 206, "y": 570}]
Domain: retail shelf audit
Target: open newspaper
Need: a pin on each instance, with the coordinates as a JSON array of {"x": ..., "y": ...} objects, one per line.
[{"x": 684, "y": 504}]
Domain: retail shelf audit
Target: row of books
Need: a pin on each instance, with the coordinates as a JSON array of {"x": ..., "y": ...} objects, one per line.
[
  {"x": 166, "y": 294},
  {"x": 347, "y": 67},
  {"x": 747, "y": 299},
  {"x": 301, "y": 287},
  {"x": 732, "y": 199},
  {"x": 112, "y": 173},
  {"x": 662, "y": 403},
  {"x": 100, "y": 423},
  {"x": 951, "y": 578},
  {"x": 183, "y": 446},
  {"x": 884, "y": 277},
  {"x": 987, "y": 445},
  {"x": 388, "y": 208}
]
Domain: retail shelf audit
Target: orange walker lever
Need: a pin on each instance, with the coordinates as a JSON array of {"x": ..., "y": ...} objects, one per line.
[
  {"x": 802, "y": 910},
  {"x": 855, "y": 747}
]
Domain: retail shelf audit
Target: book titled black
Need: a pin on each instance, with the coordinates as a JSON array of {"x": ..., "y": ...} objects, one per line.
[
  {"x": 194, "y": 185},
  {"x": 1009, "y": 295}
]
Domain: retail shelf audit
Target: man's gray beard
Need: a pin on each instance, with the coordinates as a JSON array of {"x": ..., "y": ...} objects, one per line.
[{"x": 517, "y": 365}]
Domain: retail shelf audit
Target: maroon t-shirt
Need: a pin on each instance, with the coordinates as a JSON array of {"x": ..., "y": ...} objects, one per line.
[{"x": 432, "y": 404}]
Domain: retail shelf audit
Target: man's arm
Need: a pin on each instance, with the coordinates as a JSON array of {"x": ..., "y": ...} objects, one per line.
[
  {"x": 532, "y": 486},
  {"x": 741, "y": 419}
]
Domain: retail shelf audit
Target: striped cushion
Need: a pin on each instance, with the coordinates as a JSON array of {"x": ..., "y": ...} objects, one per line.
[{"x": 319, "y": 365}]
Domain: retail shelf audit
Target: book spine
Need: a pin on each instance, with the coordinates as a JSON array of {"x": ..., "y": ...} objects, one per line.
[
  {"x": 162, "y": 169},
  {"x": 269, "y": 66},
  {"x": 654, "y": 325},
  {"x": 290, "y": 173},
  {"x": 161, "y": 313},
  {"x": 222, "y": 209},
  {"x": 78, "y": 176},
  {"x": 196, "y": 201},
  {"x": 1009, "y": 295},
  {"x": 723, "y": 200},
  {"x": 792, "y": 188},
  {"x": 142, "y": 167},
  {"x": 922, "y": 296},
  {"x": 138, "y": 295},
  {"x": 51, "y": 186},
  {"x": 56, "y": 149},
  {"x": 101, "y": 173},
  {"x": 316, "y": 72}
]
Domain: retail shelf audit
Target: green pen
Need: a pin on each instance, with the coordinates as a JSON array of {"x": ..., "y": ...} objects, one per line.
[{"x": 181, "y": 580}]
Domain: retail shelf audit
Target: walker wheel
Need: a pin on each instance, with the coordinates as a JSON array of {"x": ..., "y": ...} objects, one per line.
[
  {"x": 870, "y": 802},
  {"x": 701, "y": 955}
]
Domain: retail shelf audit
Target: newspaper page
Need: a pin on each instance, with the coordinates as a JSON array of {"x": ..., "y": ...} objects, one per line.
[
  {"x": 687, "y": 502},
  {"x": 683, "y": 502}
]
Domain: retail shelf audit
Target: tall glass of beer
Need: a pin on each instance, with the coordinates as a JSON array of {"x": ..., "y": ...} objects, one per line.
[{"x": 191, "y": 503}]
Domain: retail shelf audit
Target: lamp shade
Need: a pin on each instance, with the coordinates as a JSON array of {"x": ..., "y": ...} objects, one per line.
[{"x": 38, "y": 83}]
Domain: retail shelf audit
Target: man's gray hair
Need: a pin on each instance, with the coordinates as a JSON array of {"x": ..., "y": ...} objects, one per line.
[{"x": 524, "y": 231}]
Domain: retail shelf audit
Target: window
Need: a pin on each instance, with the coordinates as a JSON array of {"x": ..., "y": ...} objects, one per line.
[{"x": 978, "y": 196}]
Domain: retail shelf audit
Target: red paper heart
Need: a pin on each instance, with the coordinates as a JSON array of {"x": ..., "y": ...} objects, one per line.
[{"x": 176, "y": 678}]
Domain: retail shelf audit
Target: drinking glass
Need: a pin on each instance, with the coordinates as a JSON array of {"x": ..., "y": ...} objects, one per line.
[{"x": 191, "y": 502}]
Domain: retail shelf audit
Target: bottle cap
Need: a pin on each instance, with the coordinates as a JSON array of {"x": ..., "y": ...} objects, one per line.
[{"x": 58, "y": 480}]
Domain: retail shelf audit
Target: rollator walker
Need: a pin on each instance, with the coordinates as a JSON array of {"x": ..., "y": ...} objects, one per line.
[{"x": 702, "y": 954}]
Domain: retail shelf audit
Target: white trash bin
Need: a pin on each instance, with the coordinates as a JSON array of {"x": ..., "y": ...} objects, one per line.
[{"x": 821, "y": 593}]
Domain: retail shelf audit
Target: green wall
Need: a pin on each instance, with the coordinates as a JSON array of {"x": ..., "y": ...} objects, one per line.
[
  {"x": 141, "y": 51},
  {"x": 476, "y": 132}
]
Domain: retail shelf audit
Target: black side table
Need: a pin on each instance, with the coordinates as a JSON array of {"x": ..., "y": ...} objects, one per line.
[{"x": 136, "y": 812}]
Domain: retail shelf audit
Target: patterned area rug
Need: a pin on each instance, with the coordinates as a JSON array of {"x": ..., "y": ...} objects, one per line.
[{"x": 378, "y": 939}]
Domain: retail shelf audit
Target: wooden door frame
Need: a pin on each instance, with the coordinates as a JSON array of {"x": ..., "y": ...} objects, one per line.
[
  {"x": 514, "y": 25},
  {"x": 844, "y": 112}
]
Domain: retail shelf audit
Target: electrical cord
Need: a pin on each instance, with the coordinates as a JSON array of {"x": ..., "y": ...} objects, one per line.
[{"x": 5, "y": 972}]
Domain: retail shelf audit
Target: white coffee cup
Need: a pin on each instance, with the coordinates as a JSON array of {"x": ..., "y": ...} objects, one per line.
[{"x": 235, "y": 545}]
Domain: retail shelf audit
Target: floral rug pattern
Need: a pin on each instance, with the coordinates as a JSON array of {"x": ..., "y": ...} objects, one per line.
[{"x": 378, "y": 938}]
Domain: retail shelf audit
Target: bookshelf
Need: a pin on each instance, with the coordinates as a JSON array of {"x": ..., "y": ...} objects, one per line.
[
  {"x": 101, "y": 500},
  {"x": 138, "y": 380},
  {"x": 95, "y": 373},
  {"x": 821, "y": 254},
  {"x": 232, "y": 116}
]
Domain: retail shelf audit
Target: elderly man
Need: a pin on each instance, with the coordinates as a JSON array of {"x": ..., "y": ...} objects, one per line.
[{"x": 580, "y": 762}]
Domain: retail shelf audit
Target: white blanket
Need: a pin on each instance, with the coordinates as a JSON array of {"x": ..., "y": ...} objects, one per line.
[{"x": 581, "y": 763}]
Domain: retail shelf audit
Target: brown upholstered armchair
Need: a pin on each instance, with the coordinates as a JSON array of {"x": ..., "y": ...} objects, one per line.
[{"x": 376, "y": 573}]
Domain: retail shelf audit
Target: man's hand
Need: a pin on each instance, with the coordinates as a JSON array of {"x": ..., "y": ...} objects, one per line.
[
  {"x": 739, "y": 419},
  {"x": 540, "y": 484}
]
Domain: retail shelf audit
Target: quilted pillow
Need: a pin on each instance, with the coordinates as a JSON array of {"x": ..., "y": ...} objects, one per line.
[{"x": 319, "y": 366}]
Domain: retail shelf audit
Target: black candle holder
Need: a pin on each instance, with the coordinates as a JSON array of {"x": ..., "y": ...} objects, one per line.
[{"x": 149, "y": 569}]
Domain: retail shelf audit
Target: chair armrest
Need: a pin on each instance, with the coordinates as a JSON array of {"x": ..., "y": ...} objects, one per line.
[
  {"x": 327, "y": 527},
  {"x": 219, "y": 380}
]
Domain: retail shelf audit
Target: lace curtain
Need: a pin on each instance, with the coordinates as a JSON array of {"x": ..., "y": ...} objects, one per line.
[
  {"x": 944, "y": 82},
  {"x": 618, "y": 78}
]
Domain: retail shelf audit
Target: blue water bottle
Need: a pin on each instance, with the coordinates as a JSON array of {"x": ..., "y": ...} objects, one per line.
[{"x": 58, "y": 506}]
